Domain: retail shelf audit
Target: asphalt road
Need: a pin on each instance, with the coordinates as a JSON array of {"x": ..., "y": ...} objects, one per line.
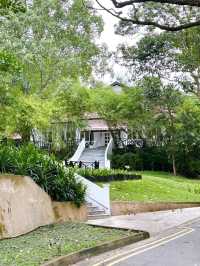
[
  {"x": 178, "y": 247},
  {"x": 182, "y": 250}
]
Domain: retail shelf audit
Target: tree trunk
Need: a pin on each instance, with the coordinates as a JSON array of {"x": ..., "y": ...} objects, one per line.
[
  {"x": 174, "y": 164},
  {"x": 26, "y": 136}
]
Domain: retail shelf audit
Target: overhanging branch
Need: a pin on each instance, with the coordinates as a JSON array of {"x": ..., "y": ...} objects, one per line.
[
  {"x": 171, "y": 2},
  {"x": 150, "y": 23}
]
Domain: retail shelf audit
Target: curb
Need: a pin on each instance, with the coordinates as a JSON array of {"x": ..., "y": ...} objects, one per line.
[
  {"x": 89, "y": 252},
  {"x": 119, "y": 208}
]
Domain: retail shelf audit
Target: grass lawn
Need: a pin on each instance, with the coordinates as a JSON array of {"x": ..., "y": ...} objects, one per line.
[
  {"x": 51, "y": 241},
  {"x": 156, "y": 186}
]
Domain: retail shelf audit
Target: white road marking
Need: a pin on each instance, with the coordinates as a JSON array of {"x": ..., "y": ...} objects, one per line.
[
  {"x": 141, "y": 249},
  {"x": 154, "y": 246}
]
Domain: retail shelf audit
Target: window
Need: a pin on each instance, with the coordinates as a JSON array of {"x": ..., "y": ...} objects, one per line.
[{"x": 107, "y": 138}]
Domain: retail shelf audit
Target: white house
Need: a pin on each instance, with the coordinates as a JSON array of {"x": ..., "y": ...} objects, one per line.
[
  {"x": 94, "y": 142},
  {"x": 96, "y": 138},
  {"x": 97, "y": 132}
]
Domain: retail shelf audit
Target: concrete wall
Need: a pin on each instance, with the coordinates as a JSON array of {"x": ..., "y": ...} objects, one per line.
[
  {"x": 67, "y": 211},
  {"x": 123, "y": 208},
  {"x": 24, "y": 206}
]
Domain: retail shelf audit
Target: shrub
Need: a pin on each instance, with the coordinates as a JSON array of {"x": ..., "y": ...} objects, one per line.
[
  {"x": 107, "y": 175},
  {"x": 156, "y": 158},
  {"x": 139, "y": 159},
  {"x": 50, "y": 175}
]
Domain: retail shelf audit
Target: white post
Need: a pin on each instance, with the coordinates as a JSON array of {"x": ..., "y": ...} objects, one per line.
[{"x": 106, "y": 188}]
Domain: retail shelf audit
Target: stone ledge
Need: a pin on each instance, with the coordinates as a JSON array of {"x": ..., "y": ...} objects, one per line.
[
  {"x": 130, "y": 207},
  {"x": 89, "y": 252}
]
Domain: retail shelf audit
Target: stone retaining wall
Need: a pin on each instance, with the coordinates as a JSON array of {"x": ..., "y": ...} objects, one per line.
[
  {"x": 123, "y": 208},
  {"x": 24, "y": 206},
  {"x": 67, "y": 211}
]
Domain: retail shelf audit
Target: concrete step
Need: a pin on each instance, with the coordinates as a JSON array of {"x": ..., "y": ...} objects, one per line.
[
  {"x": 95, "y": 217},
  {"x": 94, "y": 209},
  {"x": 89, "y": 204},
  {"x": 91, "y": 155},
  {"x": 97, "y": 212}
]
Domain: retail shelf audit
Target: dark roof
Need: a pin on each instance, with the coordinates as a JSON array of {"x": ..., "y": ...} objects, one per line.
[{"x": 116, "y": 83}]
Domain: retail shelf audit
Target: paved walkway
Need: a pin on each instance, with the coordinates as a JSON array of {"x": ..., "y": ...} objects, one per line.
[{"x": 152, "y": 222}]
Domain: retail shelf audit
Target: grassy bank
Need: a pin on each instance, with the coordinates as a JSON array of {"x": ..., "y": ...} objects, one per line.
[
  {"x": 157, "y": 186},
  {"x": 51, "y": 241}
]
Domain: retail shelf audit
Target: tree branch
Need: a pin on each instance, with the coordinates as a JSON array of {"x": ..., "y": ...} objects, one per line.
[
  {"x": 151, "y": 23},
  {"x": 171, "y": 2}
]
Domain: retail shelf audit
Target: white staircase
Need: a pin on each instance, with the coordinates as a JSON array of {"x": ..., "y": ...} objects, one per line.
[
  {"x": 97, "y": 198},
  {"x": 91, "y": 155},
  {"x": 95, "y": 212}
]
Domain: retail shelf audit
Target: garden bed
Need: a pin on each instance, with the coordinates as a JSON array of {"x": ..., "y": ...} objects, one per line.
[
  {"x": 108, "y": 175},
  {"x": 110, "y": 178},
  {"x": 53, "y": 241}
]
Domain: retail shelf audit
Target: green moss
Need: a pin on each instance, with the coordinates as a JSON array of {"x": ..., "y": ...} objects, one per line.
[{"x": 2, "y": 229}]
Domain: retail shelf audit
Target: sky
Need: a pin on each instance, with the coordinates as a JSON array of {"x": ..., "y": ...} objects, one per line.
[{"x": 112, "y": 40}]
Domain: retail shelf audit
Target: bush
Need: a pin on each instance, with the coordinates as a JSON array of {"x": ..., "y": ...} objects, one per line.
[
  {"x": 188, "y": 164},
  {"x": 107, "y": 175},
  {"x": 50, "y": 175},
  {"x": 140, "y": 159},
  {"x": 156, "y": 158}
]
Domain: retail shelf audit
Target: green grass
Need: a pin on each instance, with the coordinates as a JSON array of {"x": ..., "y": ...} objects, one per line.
[
  {"x": 51, "y": 241},
  {"x": 155, "y": 187}
]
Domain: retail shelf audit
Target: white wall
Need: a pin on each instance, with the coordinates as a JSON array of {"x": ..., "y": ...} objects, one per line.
[
  {"x": 78, "y": 152},
  {"x": 117, "y": 89},
  {"x": 123, "y": 135},
  {"x": 78, "y": 133},
  {"x": 98, "y": 196},
  {"x": 108, "y": 152},
  {"x": 99, "y": 140}
]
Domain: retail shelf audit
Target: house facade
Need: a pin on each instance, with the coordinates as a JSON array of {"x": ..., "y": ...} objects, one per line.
[
  {"x": 97, "y": 132},
  {"x": 92, "y": 142},
  {"x": 96, "y": 138}
]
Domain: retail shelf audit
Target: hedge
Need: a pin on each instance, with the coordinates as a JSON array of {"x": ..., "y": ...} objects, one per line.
[{"x": 107, "y": 175}]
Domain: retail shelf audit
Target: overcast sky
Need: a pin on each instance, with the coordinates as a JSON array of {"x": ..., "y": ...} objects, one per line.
[{"x": 113, "y": 40}]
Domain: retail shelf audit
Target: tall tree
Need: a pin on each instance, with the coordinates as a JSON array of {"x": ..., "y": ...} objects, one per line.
[
  {"x": 7, "y": 6},
  {"x": 154, "y": 55},
  {"x": 121, "y": 111},
  {"x": 53, "y": 41},
  {"x": 187, "y": 44},
  {"x": 164, "y": 100},
  {"x": 172, "y": 57}
]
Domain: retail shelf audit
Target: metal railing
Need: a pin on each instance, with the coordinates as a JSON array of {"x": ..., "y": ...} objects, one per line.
[
  {"x": 69, "y": 145},
  {"x": 130, "y": 142},
  {"x": 81, "y": 164}
]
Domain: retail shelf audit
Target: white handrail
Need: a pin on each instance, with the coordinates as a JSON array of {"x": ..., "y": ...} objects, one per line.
[
  {"x": 78, "y": 152},
  {"x": 108, "y": 152}
]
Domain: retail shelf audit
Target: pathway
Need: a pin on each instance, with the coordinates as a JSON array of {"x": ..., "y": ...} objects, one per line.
[{"x": 152, "y": 222}]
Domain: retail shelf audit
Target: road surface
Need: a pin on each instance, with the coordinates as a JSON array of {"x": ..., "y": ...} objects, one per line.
[{"x": 179, "y": 246}]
